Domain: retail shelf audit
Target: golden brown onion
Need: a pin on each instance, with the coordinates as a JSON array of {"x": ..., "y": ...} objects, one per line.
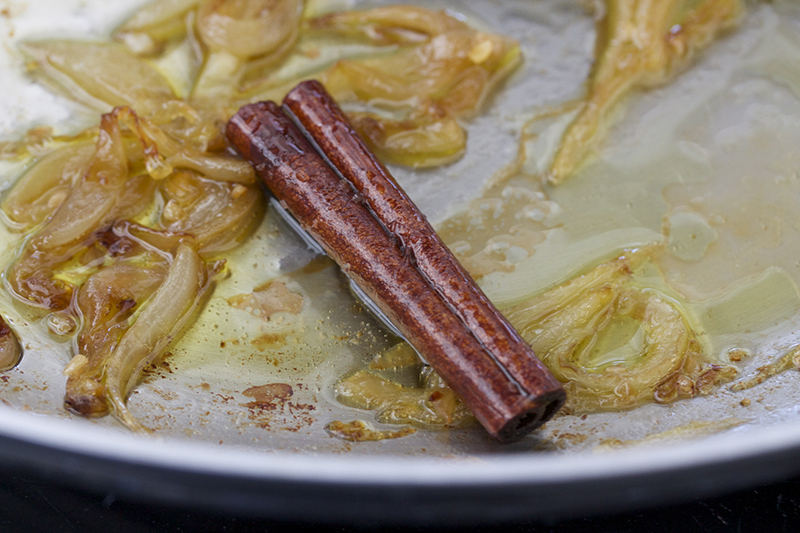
[
  {"x": 108, "y": 301},
  {"x": 163, "y": 154},
  {"x": 422, "y": 89},
  {"x": 218, "y": 217}
]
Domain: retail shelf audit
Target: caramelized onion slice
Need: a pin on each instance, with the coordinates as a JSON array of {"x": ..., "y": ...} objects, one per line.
[
  {"x": 397, "y": 24},
  {"x": 10, "y": 347},
  {"x": 32, "y": 279},
  {"x": 108, "y": 301},
  {"x": 156, "y": 326},
  {"x": 218, "y": 217},
  {"x": 99, "y": 74},
  {"x": 103, "y": 194},
  {"x": 163, "y": 153},
  {"x": 424, "y": 88}
]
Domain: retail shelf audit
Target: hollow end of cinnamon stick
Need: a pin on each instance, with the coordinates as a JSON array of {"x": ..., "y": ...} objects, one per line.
[{"x": 543, "y": 407}]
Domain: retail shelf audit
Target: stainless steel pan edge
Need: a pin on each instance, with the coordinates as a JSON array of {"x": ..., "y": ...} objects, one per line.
[{"x": 396, "y": 490}]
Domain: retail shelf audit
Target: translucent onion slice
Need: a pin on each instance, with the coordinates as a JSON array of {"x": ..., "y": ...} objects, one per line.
[
  {"x": 429, "y": 70},
  {"x": 108, "y": 301},
  {"x": 92, "y": 200},
  {"x": 154, "y": 24},
  {"x": 575, "y": 329},
  {"x": 10, "y": 347},
  {"x": 159, "y": 323},
  {"x": 43, "y": 188},
  {"x": 432, "y": 406},
  {"x": 102, "y": 75},
  {"x": 85, "y": 209},
  {"x": 412, "y": 143},
  {"x": 641, "y": 43},
  {"x": 217, "y": 167},
  {"x": 397, "y": 24},
  {"x": 248, "y": 28},
  {"x": 244, "y": 37},
  {"x": 433, "y": 83},
  {"x": 220, "y": 217}
]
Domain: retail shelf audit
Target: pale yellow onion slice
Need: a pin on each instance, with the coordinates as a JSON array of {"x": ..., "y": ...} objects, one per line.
[
  {"x": 432, "y": 84},
  {"x": 156, "y": 14},
  {"x": 102, "y": 75},
  {"x": 156, "y": 326},
  {"x": 666, "y": 340},
  {"x": 146, "y": 31},
  {"x": 412, "y": 143},
  {"x": 218, "y": 79},
  {"x": 537, "y": 309},
  {"x": 390, "y": 24},
  {"x": 248, "y": 28},
  {"x": 641, "y": 43},
  {"x": 43, "y": 188}
]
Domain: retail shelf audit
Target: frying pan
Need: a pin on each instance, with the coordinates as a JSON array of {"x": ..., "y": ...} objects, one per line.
[{"x": 718, "y": 140}]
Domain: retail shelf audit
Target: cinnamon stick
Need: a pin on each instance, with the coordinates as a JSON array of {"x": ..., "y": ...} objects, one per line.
[
  {"x": 328, "y": 208},
  {"x": 325, "y": 123}
]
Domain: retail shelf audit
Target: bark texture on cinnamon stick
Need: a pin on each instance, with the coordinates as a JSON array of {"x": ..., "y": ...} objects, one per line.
[
  {"x": 332, "y": 212},
  {"x": 325, "y": 123}
]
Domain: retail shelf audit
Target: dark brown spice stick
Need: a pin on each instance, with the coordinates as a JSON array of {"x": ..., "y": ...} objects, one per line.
[
  {"x": 328, "y": 127},
  {"x": 325, "y": 206}
]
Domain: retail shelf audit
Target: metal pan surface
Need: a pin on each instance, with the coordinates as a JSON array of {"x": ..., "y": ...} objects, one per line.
[{"x": 711, "y": 155}]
